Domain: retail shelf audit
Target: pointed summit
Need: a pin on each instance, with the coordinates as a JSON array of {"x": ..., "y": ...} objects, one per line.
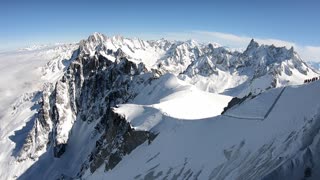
[
  {"x": 253, "y": 43},
  {"x": 291, "y": 49},
  {"x": 93, "y": 42},
  {"x": 97, "y": 37},
  {"x": 192, "y": 42},
  {"x": 97, "y": 34}
]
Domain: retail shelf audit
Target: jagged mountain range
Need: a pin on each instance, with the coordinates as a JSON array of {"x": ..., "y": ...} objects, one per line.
[
  {"x": 208, "y": 65},
  {"x": 122, "y": 108}
]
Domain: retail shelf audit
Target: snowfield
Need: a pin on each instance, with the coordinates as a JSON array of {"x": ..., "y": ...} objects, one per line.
[
  {"x": 180, "y": 100},
  {"x": 221, "y": 147},
  {"x": 120, "y": 108},
  {"x": 184, "y": 102},
  {"x": 263, "y": 105}
]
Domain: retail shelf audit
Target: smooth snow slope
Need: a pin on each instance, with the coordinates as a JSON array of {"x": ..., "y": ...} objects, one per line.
[
  {"x": 222, "y": 147},
  {"x": 169, "y": 96},
  {"x": 193, "y": 139},
  {"x": 262, "y": 104}
]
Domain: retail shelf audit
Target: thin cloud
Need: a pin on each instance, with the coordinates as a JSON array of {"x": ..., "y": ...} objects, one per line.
[
  {"x": 276, "y": 42},
  {"x": 310, "y": 53},
  {"x": 224, "y": 36}
]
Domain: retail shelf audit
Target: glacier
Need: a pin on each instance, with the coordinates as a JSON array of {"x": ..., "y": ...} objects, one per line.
[{"x": 120, "y": 108}]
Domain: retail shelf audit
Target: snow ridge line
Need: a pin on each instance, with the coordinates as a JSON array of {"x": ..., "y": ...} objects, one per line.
[
  {"x": 265, "y": 116},
  {"x": 245, "y": 118},
  {"x": 274, "y": 103}
]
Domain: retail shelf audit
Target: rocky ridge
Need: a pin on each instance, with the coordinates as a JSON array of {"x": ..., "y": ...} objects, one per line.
[{"x": 104, "y": 72}]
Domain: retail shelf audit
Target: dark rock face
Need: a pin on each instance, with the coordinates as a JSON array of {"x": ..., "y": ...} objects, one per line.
[
  {"x": 88, "y": 90},
  {"x": 39, "y": 135},
  {"x": 118, "y": 140},
  {"x": 237, "y": 101},
  {"x": 59, "y": 150},
  {"x": 94, "y": 85}
]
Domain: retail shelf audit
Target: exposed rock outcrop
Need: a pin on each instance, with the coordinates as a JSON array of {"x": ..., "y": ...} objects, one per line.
[{"x": 88, "y": 89}]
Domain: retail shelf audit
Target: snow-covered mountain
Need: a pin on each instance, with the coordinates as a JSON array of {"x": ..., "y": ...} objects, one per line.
[
  {"x": 210, "y": 67},
  {"x": 236, "y": 145},
  {"x": 120, "y": 108}
]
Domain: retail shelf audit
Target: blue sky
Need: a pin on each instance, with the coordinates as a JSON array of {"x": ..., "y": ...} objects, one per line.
[{"x": 227, "y": 22}]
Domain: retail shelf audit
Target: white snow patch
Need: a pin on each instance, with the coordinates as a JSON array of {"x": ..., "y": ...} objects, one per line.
[{"x": 182, "y": 102}]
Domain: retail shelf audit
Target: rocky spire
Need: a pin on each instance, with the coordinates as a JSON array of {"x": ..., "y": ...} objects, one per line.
[{"x": 252, "y": 44}]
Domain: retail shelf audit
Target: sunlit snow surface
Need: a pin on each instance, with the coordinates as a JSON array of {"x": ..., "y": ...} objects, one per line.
[
  {"x": 193, "y": 138},
  {"x": 221, "y": 147},
  {"x": 171, "y": 97}
]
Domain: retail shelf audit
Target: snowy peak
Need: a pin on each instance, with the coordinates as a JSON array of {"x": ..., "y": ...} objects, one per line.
[
  {"x": 212, "y": 63},
  {"x": 269, "y": 54},
  {"x": 97, "y": 37},
  {"x": 109, "y": 107},
  {"x": 272, "y": 59},
  {"x": 252, "y": 45},
  {"x": 93, "y": 43}
]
